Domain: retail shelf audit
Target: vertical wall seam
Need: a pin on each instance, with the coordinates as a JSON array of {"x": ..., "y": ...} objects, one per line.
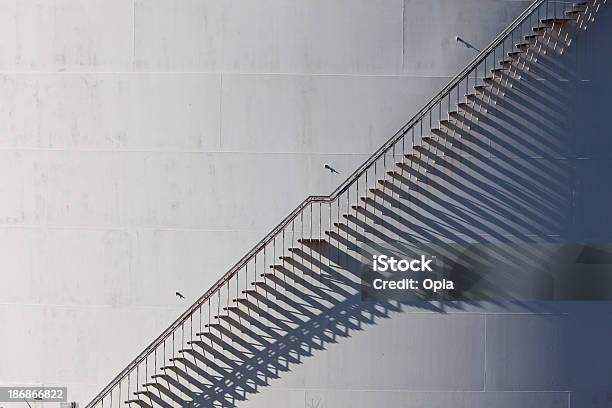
[
  {"x": 484, "y": 380},
  {"x": 403, "y": 33},
  {"x": 220, "y": 108},
  {"x": 133, "y": 35}
]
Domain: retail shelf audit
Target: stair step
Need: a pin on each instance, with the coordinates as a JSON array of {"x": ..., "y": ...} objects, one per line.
[
  {"x": 265, "y": 275},
  {"x": 582, "y": 6},
  {"x": 403, "y": 164},
  {"x": 440, "y": 132},
  {"x": 427, "y": 139},
  {"x": 311, "y": 240},
  {"x": 476, "y": 98},
  {"x": 540, "y": 29},
  {"x": 523, "y": 45},
  {"x": 247, "y": 291},
  {"x": 515, "y": 54},
  {"x": 556, "y": 20},
  {"x": 237, "y": 307},
  {"x": 532, "y": 37},
  {"x": 135, "y": 401},
  {"x": 341, "y": 226},
  {"x": 257, "y": 283},
  {"x": 399, "y": 175},
  {"x": 365, "y": 199},
  {"x": 498, "y": 70},
  {"x": 572, "y": 13}
]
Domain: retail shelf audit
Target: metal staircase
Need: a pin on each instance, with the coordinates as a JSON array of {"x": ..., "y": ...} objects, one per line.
[{"x": 296, "y": 290}]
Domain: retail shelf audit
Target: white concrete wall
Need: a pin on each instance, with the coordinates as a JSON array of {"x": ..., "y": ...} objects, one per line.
[{"x": 145, "y": 145}]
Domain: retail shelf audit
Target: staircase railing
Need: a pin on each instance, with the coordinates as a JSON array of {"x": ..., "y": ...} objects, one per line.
[{"x": 318, "y": 214}]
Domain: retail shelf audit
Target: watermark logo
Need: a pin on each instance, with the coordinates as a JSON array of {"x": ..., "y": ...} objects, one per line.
[
  {"x": 382, "y": 263},
  {"x": 499, "y": 271},
  {"x": 394, "y": 276}
]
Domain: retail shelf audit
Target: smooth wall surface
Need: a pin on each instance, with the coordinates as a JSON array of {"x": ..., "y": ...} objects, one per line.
[{"x": 146, "y": 145}]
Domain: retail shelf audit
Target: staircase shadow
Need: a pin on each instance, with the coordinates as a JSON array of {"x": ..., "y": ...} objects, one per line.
[
  {"x": 507, "y": 184},
  {"x": 316, "y": 321}
]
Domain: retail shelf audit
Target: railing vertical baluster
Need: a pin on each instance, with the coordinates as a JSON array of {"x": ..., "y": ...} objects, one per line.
[
  {"x": 485, "y": 67},
  {"x": 311, "y": 265},
  {"x": 283, "y": 247},
  {"x": 376, "y": 196},
  {"x": 338, "y": 229},
  {"x": 320, "y": 239},
  {"x": 330, "y": 231},
  {"x": 227, "y": 301},
  {"x": 458, "y": 87},
  {"x": 384, "y": 172},
  {"x": 301, "y": 230},
  {"x": 421, "y": 141},
  {"x": 274, "y": 260},
  {"x": 367, "y": 186},
  {"x": 265, "y": 277}
]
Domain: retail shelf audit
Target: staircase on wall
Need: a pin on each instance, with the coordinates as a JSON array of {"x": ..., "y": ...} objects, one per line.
[{"x": 298, "y": 288}]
